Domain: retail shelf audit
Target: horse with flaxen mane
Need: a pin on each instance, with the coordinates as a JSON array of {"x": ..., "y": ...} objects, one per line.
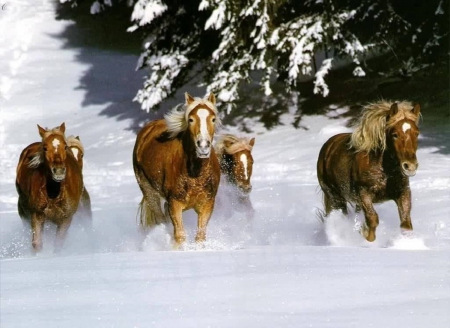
[
  {"x": 236, "y": 164},
  {"x": 84, "y": 212},
  {"x": 174, "y": 161},
  {"x": 49, "y": 183},
  {"x": 373, "y": 164}
]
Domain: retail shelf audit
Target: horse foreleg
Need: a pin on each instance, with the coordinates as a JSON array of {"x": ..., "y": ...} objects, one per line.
[
  {"x": 204, "y": 214},
  {"x": 37, "y": 223},
  {"x": 175, "y": 210},
  {"x": 61, "y": 233},
  {"x": 368, "y": 229},
  {"x": 404, "y": 210}
]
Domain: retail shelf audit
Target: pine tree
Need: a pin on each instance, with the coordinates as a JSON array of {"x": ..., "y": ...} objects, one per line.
[{"x": 230, "y": 42}]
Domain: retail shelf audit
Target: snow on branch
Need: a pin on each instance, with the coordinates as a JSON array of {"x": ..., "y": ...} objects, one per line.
[
  {"x": 319, "y": 83},
  {"x": 145, "y": 11},
  {"x": 165, "y": 68}
]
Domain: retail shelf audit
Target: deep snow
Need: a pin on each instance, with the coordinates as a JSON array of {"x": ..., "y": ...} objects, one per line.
[{"x": 286, "y": 270}]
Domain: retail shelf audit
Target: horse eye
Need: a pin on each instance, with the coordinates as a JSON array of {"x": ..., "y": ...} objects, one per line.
[
  {"x": 394, "y": 135},
  {"x": 45, "y": 148},
  {"x": 191, "y": 120},
  {"x": 214, "y": 119}
]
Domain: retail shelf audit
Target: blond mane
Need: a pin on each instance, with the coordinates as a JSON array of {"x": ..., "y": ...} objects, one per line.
[
  {"x": 177, "y": 118},
  {"x": 55, "y": 130},
  {"x": 230, "y": 144},
  {"x": 370, "y": 130},
  {"x": 73, "y": 141}
]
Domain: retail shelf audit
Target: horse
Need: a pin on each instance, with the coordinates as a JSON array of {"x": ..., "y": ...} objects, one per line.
[
  {"x": 174, "y": 162},
  {"x": 49, "y": 183},
  {"x": 84, "y": 211},
  {"x": 236, "y": 165},
  {"x": 373, "y": 164}
]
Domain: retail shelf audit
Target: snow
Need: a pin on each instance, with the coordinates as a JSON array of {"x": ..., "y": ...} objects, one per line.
[
  {"x": 145, "y": 11},
  {"x": 286, "y": 269}
]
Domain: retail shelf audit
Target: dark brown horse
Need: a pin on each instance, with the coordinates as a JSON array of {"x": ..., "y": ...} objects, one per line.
[
  {"x": 236, "y": 164},
  {"x": 373, "y": 164},
  {"x": 84, "y": 212},
  {"x": 174, "y": 161},
  {"x": 49, "y": 183}
]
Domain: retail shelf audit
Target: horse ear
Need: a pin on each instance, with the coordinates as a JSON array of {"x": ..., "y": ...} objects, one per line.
[
  {"x": 252, "y": 142},
  {"x": 212, "y": 98},
  {"x": 394, "y": 109},
  {"x": 189, "y": 98},
  {"x": 41, "y": 131},
  {"x": 62, "y": 127},
  {"x": 416, "y": 109},
  {"x": 77, "y": 137}
]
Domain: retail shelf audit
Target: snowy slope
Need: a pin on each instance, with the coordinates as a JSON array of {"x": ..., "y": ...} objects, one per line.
[{"x": 282, "y": 271}]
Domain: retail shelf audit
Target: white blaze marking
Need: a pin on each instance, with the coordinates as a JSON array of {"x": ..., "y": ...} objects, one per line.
[
  {"x": 243, "y": 159},
  {"x": 203, "y": 114},
  {"x": 406, "y": 127},
  {"x": 55, "y": 144},
  {"x": 75, "y": 152}
]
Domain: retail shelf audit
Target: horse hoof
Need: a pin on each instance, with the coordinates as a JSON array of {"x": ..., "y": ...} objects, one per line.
[{"x": 366, "y": 232}]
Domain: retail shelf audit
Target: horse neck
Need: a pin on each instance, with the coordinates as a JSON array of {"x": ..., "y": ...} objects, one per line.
[{"x": 390, "y": 162}]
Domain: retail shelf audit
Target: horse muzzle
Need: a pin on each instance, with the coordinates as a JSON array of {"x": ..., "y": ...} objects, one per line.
[
  {"x": 409, "y": 169},
  {"x": 245, "y": 189},
  {"x": 203, "y": 148},
  {"x": 58, "y": 173}
]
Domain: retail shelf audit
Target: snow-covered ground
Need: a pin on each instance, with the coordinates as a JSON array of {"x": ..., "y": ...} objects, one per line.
[{"x": 286, "y": 270}]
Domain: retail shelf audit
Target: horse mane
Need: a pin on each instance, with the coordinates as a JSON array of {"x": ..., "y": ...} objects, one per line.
[
  {"x": 38, "y": 157},
  {"x": 370, "y": 130},
  {"x": 73, "y": 141},
  {"x": 237, "y": 144},
  {"x": 177, "y": 118},
  {"x": 55, "y": 130}
]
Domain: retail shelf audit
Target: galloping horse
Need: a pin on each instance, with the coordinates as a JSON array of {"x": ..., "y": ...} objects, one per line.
[
  {"x": 84, "y": 211},
  {"x": 49, "y": 183},
  {"x": 174, "y": 161},
  {"x": 236, "y": 164},
  {"x": 373, "y": 164}
]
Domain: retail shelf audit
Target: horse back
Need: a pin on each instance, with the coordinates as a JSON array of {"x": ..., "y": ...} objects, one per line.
[{"x": 335, "y": 164}]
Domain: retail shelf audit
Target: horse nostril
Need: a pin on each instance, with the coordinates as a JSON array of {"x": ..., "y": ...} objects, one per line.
[
  {"x": 405, "y": 166},
  {"x": 208, "y": 143}
]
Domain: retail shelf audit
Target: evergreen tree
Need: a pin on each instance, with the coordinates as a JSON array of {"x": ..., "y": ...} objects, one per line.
[{"x": 225, "y": 41}]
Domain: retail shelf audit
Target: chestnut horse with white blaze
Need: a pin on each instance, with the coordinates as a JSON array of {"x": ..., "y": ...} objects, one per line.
[
  {"x": 236, "y": 165},
  {"x": 174, "y": 161},
  {"x": 373, "y": 164},
  {"x": 49, "y": 183}
]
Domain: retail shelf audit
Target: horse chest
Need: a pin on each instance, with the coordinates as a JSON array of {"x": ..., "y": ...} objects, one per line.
[{"x": 193, "y": 191}]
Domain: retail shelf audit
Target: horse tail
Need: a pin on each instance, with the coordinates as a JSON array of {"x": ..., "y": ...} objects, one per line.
[{"x": 147, "y": 218}]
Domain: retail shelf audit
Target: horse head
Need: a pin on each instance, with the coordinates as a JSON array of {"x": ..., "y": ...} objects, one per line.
[
  {"x": 55, "y": 148},
  {"x": 77, "y": 148},
  {"x": 236, "y": 161},
  {"x": 401, "y": 137},
  {"x": 201, "y": 118}
]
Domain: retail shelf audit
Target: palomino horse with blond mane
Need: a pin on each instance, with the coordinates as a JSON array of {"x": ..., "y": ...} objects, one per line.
[
  {"x": 174, "y": 161},
  {"x": 84, "y": 212},
  {"x": 373, "y": 164},
  {"x": 49, "y": 183},
  {"x": 236, "y": 164}
]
